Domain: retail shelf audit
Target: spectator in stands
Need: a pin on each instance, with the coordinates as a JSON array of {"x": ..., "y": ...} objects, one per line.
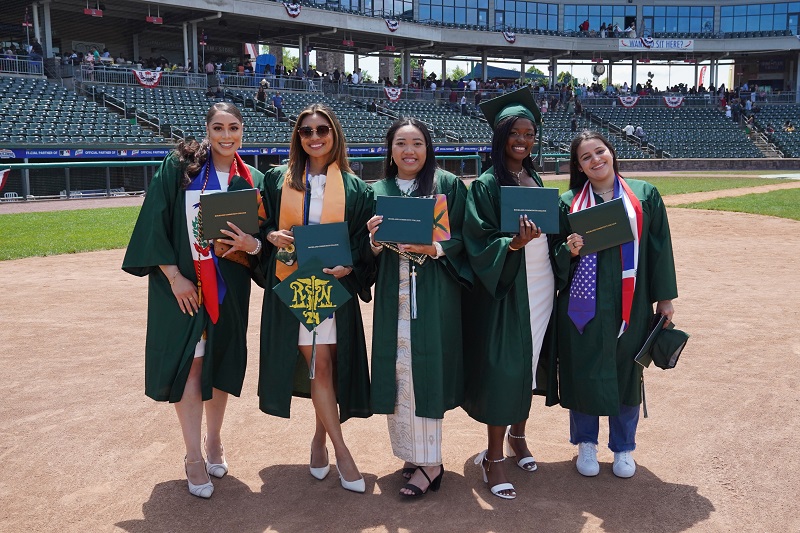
[
  {"x": 770, "y": 128},
  {"x": 631, "y": 30},
  {"x": 337, "y": 76},
  {"x": 453, "y": 100},
  {"x": 749, "y": 124},
  {"x": 219, "y": 93},
  {"x": 590, "y": 340},
  {"x": 584, "y": 27},
  {"x": 617, "y": 30},
  {"x": 187, "y": 322},
  {"x": 640, "y": 133},
  {"x": 464, "y": 110},
  {"x": 36, "y": 52},
  {"x": 727, "y": 111},
  {"x": 120, "y": 60},
  {"x": 95, "y": 56},
  {"x": 356, "y": 76},
  {"x": 318, "y": 172},
  {"x": 277, "y": 101},
  {"x": 788, "y": 127},
  {"x": 629, "y": 129},
  {"x": 473, "y": 85},
  {"x": 478, "y": 97},
  {"x": 417, "y": 372},
  {"x": 573, "y": 124},
  {"x": 512, "y": 300},
  {"x": 603, "y": 33},
  {"x": 261, "y": 94}
]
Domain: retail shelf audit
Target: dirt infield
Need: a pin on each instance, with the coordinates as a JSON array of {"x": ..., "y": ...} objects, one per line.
[{"x": 83, "y": 449}]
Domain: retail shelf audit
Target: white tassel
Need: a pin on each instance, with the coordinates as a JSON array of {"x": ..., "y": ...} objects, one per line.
[
  {"x": 313, "y": 353},
  {"x": 413, "y": 292}
]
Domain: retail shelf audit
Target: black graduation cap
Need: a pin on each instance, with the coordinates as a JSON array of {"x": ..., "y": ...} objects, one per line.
[
  {"x": 519, "y": 103},
  {"x": 663, "y": 346}
]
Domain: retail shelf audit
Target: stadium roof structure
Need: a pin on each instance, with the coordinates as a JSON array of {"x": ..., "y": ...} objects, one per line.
[{"x": 323, "y": 27}]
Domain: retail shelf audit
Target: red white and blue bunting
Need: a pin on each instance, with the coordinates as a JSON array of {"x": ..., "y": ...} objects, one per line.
[
  {"x": 393, "y": 93},
  {"x": 392, "y": 24},
  {"x": 628, "y": 101},
  {"x": 148, "y": 78},
  {"x": 4, "y": 177},
  {"x": 510, "y": 36},
  {"x": 293, "y": 10},
  {"x": 673, "y": 101}
]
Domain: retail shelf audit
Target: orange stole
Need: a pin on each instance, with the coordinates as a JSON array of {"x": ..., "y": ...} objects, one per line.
[{"x": 293, "y": 202}]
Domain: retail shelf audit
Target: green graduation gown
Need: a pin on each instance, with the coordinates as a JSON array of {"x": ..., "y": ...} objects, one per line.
[
  {"x": 436, "y": 343},
  {"x": 283, "y": 371},
  {"x": 597, "y": 372},
  {"x": 160, "y": 238},
  {"x": 498, "y": 348}
]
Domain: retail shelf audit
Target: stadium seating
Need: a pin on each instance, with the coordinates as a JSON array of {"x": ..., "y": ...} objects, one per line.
[
  {"x": 35, "y": 111},
  {"x": 683, "y": 132},
  {"x": 775, "y": 116}
]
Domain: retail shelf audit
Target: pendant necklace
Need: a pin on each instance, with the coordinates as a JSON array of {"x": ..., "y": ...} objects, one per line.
[
  {"x": 410, "y": 189},
  {"x": 518, "y": 175}
]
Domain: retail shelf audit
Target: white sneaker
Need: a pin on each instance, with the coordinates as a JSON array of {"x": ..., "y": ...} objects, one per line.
[
  {"x": 624, "y": 465},
  {"x": 587, "y": 459}
]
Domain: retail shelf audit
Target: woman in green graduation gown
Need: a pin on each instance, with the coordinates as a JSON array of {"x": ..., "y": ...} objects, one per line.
[
  {"x": 605, "y": 304},
  {"x": 317, "y": 187},
  {"x": 197, "y": 302},
  {"x": 417, "y": 358},
  {"x": 507, "y": 317}
]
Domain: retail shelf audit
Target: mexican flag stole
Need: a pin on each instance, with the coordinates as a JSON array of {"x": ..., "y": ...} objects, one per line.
[{"x": 210, "y": 283}]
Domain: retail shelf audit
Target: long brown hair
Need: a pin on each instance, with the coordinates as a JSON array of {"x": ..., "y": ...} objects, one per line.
[
  {"x": 426, "y": 182},
  {"x": 298, "y": 156},
  {"x": 192, "y": 154},
  {"x": 577, "y": 178}
]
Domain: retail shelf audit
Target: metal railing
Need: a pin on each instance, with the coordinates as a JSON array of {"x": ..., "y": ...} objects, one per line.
[
  {"x": 122, "y": 75},
  {"x": 21, "y": 65}
]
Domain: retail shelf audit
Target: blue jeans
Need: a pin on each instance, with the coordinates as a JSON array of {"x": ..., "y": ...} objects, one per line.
[{"x": 621, "y": 429}]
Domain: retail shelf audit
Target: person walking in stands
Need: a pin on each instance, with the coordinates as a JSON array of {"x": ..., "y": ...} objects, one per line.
[
  {"x": 277, "y": 101},
  {"x": 196, "y": 354},
  {"x": 605, "y": 304},
  {"x": 316, "y": 187},
  {"x": 417, "y": 360},
  {"x": 464, "y": 110},
  {"x": 508, "y": 345}
]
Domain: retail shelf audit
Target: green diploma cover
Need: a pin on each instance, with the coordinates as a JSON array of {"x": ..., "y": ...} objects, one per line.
[
  {"x": 602, "y": 226},
  {"x": 219, "y": 208},
  {"x": 406, "y": 220},
  {"x": 327, "y": 244},
  {"x": 539, "y": 203}
]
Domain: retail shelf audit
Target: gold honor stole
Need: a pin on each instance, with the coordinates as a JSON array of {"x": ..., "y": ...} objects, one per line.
[{"x": 293, "y": 203}]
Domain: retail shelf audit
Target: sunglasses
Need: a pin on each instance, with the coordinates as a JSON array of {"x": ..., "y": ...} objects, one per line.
[{"x": 306, "y": 131}]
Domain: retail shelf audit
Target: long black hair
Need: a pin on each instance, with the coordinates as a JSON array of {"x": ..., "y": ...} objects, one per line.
[
  {"x": 426, "y": 177},
  {"x": 576, "y": 176},
  {"x": 499, "y": 142}
]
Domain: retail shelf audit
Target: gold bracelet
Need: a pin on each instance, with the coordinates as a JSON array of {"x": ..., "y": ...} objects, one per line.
[
  {"x": 175, "y": 275},
  {"x": 512, "y": 248}
]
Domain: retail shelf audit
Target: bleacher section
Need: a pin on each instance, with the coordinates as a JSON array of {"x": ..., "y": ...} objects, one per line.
[
  {"x": 683, "y": 132},
  {"x": 34, "y": 111},
  {"x": 448, "y": 125},
  {"x": 776, "y": 116}
]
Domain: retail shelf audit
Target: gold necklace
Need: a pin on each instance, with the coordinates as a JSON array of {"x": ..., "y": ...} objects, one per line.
[
  {"x": 604, "y": 192},
  {"x": 518, "y": 175}
]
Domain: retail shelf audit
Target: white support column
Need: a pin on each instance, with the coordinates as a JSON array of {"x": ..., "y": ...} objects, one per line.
[
  {"x": 301, "y": 60},
  {"x": 696, "y": 72},
  {"x": 633, "y": 74},
  {"x": 610, "y": 78},
  {"x": 186, "y": 46},
  {"x": 355, "y": 65},
  {"x": 484, "y": 67},
  {"x": 195, "y": 58},
  {"x": 553, "y": 72},
  {"x": 405, "y": 66},
  {"x": 48, "y": 32},
  {"x": 444, "y": 71},
  {"x": 37, "y": 32}
]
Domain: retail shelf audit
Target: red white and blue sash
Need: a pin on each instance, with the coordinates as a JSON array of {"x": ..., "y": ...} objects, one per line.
[{"x": 629, "y": 251}]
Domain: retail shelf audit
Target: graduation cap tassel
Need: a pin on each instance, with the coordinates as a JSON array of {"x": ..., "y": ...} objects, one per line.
[
  {"x": 311, "y": 372},
  {"x": 413, "y": 292},
  {"x": 644, "y": 401}
]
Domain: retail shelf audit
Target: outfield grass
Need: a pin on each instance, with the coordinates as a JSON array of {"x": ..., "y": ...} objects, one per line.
[
  {"x": 784, "y": 204},
  {"x": 682, "y": 185},
  {"x": 65, "y": 232}
]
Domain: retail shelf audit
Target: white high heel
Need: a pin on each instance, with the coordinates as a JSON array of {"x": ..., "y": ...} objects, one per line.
[
  {"x": 216, "y": 469},
  {"x": 500, "y": 487},
  {"x": 356, "y": 486},
  {"x": 201, "y": 491},
  {"x": 528, "y": 464},
  {"x": 321, "y": 472}
]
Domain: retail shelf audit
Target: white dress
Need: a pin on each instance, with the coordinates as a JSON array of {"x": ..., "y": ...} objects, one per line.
[
  {"x": 326, "y": 331},
  {"x": 414, "y": 439},
  {"x": 541, "y": 285}
]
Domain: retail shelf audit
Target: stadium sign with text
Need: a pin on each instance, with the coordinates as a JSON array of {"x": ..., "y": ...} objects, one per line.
[{"x": 648, "y": 44}]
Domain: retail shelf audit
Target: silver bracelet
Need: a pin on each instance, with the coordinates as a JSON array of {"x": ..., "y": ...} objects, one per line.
[{"x": 258, "y": 248}]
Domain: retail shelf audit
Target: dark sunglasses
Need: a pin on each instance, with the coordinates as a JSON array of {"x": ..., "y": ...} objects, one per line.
[{"x": 307, "y": 131}]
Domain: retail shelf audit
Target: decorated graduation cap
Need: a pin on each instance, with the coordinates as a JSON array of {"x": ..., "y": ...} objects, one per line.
[
  {"x": 312, "y": 296},
  {"x": 519, "y": 103}
]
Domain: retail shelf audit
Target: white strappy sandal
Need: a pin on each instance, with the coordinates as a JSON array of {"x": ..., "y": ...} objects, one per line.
[
  {"x": 500, "y": 487},
  {"x": 528, "y": 464}
]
